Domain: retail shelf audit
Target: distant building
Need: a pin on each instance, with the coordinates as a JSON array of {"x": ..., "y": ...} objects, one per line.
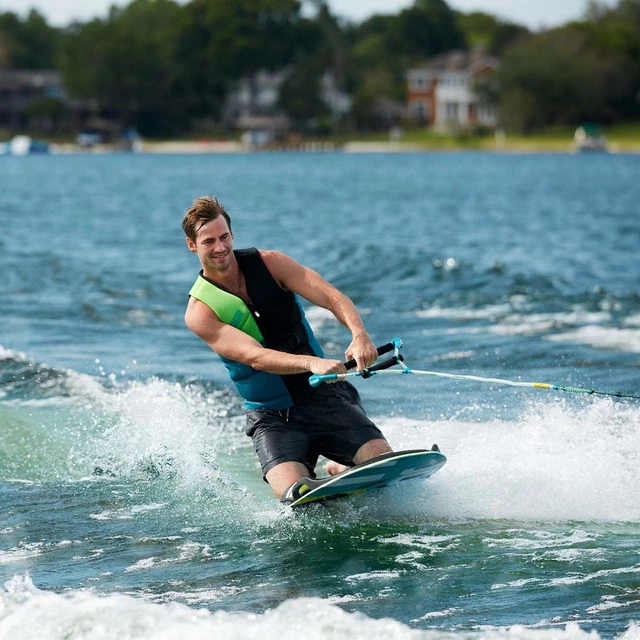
[
  {"x": 262, "y": 131},
  {"x": 338, "y": 101},
  {"x": 255, "y": 95},
  {"x": 253, "y": 104},
  {"x": 37, "y": 100},
  {"x": 441, "y": 92},
  {"x": 388, "y": 112}
]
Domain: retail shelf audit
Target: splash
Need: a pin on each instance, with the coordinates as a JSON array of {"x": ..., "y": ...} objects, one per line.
[
  {"x": 557, "y": 462},
  {"x": 62, "y": 425},
  {"x": 29, "y": 613}
]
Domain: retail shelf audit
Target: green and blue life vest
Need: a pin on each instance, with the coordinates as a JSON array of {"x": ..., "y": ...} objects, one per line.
[{"x": 275, "y": 318}]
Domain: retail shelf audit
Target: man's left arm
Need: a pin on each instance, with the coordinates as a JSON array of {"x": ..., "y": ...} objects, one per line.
[{"x": 309, "y": 284}]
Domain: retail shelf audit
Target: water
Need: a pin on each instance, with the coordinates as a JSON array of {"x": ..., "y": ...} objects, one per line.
[{"x": 131, "y": 503}]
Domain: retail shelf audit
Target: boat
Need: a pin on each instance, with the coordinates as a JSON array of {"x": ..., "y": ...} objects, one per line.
[
  {"x": 23, "y": 146},
  {"x": 588, "y": 138}
]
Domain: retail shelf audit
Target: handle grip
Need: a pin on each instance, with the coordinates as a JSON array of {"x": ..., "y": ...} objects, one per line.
[
  {"x": 385, "y": 348},
  {"x": 316, "y": 380},
  {"x": 385, "y": 364}
]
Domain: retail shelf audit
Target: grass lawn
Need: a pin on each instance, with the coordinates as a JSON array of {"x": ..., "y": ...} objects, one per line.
[{"x": 621, "y": 137}]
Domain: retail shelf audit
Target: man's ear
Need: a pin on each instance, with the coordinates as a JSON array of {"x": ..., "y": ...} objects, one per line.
[{"x": 191, "y": 245}]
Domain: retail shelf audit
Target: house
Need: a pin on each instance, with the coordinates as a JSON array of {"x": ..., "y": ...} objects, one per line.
[
  {"x": 36, "y": 99},
  {"x": 262, "y": 131},
  {"x": 441, "y": 92},
  {"x": 253, "y": 105},
  {"x": 255, "y": 95},
  {"x": 338, "y": 101},
  {"x": 20, "y": 90}
]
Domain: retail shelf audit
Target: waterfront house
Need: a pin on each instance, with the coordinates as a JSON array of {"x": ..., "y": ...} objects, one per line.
[
  {"x": 441, "y": 93},
  {"x": 36, "y": 100}
]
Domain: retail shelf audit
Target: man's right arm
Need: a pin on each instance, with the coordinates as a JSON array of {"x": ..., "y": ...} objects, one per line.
[{"x": 231, "y": 343}]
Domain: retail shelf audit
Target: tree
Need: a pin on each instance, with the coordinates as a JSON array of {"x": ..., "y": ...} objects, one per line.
[
  {"x": 483, "y": 29},
  {"x": 426, "y": 29},
  {"x": 221, "y": 42},
  {"x": 30, "y": 43},
  {"x": 551, "y": 78},
  {"x": 613, "y": 35},
  {"x": 128, "y": 64}
]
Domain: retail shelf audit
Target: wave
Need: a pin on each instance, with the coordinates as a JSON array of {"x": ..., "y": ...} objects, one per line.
[
  {"x": 558, "y": 459},
  {"x": 459, "y": 279},
  {"x": 556, "y": 462},
  {"x": 610, "y": 338},
  {"x": 61, "y": 425},
  {"x": 28, "y": 613},
  {"x": 578, "y": 323}
]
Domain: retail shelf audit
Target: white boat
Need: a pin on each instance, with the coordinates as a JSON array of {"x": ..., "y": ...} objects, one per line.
[
  {"x": 588, "y": 137},
  {"x": 23, "y": 146}
]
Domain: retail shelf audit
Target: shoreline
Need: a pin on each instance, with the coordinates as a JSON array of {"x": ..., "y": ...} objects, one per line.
[{"x": 186, "y": 147}]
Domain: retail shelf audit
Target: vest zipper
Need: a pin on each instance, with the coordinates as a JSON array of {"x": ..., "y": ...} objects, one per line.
[{"x": 253, "y": 310}]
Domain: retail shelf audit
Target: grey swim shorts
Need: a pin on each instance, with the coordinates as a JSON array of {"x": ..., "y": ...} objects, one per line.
[{"x": 330, "y": 421}]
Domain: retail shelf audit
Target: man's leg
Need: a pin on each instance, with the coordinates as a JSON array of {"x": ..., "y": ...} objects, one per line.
[
  {"x": 283, "y": 475},
  {"x": 367, "y": 451},
  {"x": 372, "y": 449},
  {"x": 282, "y": 447}
]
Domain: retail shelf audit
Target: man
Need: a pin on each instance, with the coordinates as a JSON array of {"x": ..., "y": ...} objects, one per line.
[{"x": 244, "y": 305}]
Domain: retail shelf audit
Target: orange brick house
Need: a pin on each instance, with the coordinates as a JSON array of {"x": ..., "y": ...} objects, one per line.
[{"x": 440, "y": 93}]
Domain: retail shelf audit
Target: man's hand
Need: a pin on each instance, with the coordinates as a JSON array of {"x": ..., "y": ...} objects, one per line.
[
  {"x": 362, "y": 350},
  {"x": 324, "y": 366}
]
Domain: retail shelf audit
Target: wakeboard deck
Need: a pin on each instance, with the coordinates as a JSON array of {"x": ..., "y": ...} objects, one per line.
[{"x": 385, "y": 470}]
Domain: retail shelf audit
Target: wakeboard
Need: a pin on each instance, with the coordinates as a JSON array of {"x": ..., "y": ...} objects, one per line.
[{"x": 382, "y": 471}]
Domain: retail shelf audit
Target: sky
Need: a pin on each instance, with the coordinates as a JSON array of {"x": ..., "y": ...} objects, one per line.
[{"x": 535, "y": 15}]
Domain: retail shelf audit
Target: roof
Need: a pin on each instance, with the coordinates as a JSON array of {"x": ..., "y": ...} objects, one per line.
[
  {"x": 459, "y": 60},
  {"x": 268, "y": 123},
  {"x": 24, "y": 77}
]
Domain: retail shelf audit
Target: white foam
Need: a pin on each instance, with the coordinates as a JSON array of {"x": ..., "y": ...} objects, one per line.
[
  {"x": 27, "y": 613},
  {"x": 382, "y": 575},
  {"x": 431, "y": 544},
  {"x": 536, "y": 323},
  {"x": 490, "y": 312},
  {"x": 614, "y": 339},
  {"x": 10, "y": 354},
  {"x": 144, "y": 563},
  {"x": 319, "y": 317},
  {"x": 24, "y": 551},
  {"x": 536, "y": 540},
  {"x": 587, "y": 327},
  {"x": 437, "y": 614},
  {"x": 558, "y": 462},
  {"x": 632, "y": 320},
  {"x": 455, "y": 355}
]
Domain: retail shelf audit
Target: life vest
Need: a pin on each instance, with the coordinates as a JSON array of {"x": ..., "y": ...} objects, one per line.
[{"x": 275, "y": 318}]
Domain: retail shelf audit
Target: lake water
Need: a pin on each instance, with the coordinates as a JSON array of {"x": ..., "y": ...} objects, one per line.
[{"x": 131, "y": 502}]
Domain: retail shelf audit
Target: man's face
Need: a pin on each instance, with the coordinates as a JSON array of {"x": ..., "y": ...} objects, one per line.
[{"x": 213, "y": 245}]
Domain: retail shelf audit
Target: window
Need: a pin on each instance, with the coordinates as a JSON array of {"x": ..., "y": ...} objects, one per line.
[{"x": 452, "y": 111}]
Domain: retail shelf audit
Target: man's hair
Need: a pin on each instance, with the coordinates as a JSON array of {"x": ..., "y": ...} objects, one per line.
[{"x": 203, "y": 210}]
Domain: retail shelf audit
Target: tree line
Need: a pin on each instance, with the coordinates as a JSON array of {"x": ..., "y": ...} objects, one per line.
[{"x": 166, "y": 68}]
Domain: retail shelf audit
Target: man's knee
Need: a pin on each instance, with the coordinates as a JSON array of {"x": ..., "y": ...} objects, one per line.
[
  {"x": 283, "y": 475},
  {"x": 372, "y": 449}
]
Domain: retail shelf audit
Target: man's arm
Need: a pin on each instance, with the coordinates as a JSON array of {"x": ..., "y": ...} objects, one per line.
[
  {"x": 234, "y": 344},
  {"x": 293, "y": 276}
]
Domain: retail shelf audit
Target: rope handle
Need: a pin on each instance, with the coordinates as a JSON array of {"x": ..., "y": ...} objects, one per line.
[
  {"x": 395, "y": 345},
  {"x": 384, "y": 367}
]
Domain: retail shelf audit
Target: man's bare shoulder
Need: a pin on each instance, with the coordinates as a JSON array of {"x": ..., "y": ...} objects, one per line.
[
  {"x": 199, "y": 317},
  {"x": 287, "y": 272},
  {"x": 275, "y": 258}
]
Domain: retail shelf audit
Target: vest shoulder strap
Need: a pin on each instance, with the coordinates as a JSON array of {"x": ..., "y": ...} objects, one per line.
[{"x": 229, "y": 308}]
